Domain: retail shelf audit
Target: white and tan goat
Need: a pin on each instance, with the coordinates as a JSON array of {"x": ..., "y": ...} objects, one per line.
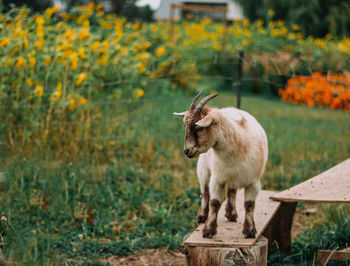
[{"x": 232, "y": 150}]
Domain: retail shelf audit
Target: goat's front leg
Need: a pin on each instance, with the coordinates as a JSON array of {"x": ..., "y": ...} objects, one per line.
[
  {"x": 216, "y": 191},
  {"x": 204, "y": 178},
  {"x": 230, "y": 211},
  {"x": 250, "y": 194},
  {"x": 204, "y": 209}
]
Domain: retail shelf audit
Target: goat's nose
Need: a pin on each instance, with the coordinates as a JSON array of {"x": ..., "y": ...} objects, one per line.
[{"x": 186, "y": 151}]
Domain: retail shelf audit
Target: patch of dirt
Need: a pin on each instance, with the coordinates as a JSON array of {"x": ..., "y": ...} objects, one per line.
[{"x": 149, "y": 258}]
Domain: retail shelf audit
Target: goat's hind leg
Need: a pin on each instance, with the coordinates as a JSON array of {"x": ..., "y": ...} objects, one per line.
[
  {"x": 204, "y": 177},
  {"x": 250, "y": 194},
  {"x": 230, "y": 210}
]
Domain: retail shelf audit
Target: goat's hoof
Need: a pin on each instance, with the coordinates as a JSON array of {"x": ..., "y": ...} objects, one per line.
[
  {"x": 201, "y": 218},
  {"x": 248, "y": 230},
  {"x": 209, "y": 232},
  {"x": 231, "y": 217}
]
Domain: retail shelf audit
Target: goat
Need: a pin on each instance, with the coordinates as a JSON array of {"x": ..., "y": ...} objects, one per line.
[{"x": 232, "y": 149}]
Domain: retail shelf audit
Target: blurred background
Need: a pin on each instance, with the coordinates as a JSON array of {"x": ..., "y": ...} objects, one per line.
[{"x": 91, "y": 156}]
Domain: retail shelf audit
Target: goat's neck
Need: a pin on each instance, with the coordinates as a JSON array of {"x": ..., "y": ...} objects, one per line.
[{"x": 228, "y": 142}]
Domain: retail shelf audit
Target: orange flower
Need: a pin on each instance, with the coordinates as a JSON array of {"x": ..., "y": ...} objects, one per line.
[{"x": 332, "y": 90}]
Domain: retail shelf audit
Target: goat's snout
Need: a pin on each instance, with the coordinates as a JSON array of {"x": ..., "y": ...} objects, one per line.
[
  {"x": 190, "y": 152},
  {"x": 186, "y": 151}
]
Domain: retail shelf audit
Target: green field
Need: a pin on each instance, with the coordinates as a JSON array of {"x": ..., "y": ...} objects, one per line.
[{"x": 127, "y": 186}]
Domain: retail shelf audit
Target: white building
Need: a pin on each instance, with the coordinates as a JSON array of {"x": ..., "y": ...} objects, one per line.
[{"x": 234, "y": 11}]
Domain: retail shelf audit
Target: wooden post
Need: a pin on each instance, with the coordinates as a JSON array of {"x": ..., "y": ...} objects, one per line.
[
  {"x": 2, "y": 260},
  {"x": 279, "y": 229},
  {"x": 224, "y": 256},
  {"x": 239, "y": 83}
]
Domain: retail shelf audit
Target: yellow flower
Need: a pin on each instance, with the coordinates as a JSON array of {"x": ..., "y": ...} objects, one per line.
[
  {"x": 81, "y": 78},
  {"x": 39, "y": 90},
  {"x": 9, "y": 62},
  {"x": 136, "y": 26},
  {"x": 160, "y": 51},
  {"x": 65, "y": 16},
  {"x": 260, "y": 22},
  {"x": 32, "y": 60},
  {"x": 39, "y": 44},
  {"x": 154, "y": 28},
  {"x": 73, "y": 102},
  {"x": 74, "y": 60},
  {"x": 295, "y": 27},
  {"x": 344, "y": 46},
  {"x": 25, "y": 43},
  {"x": 104, "y": 48},
  {"x": 143, "y": 56},
  {"x": 147, "y": 45},
  {"x": 40, "y": 20},
  {"x": 141, "y": 67},
  {"x": 47, "y": 60},
  {"x": 58, "y": 93},
  {"x": 271, "y": 13},
  {"x": 139, "y": 93},
  {"x": 20, "y": 61},
  {"x": 328, "y": 36},
  {"x": 246, "y": 22},
  {"x": 52, "y": 10},
  {"x": 95, "y": 46},
  {"x": 29, "y": 82},
  {"x": 4, "y": 42},
  {"x": 84, "y": 34},
  {"x": 56, "y": 8},
  {"x": 245, "y": 42},
  {"x": 103, "y": 61},
  {"x": 82, "y": 53},
  {"x": 118, "y": 29},
  {"x": 217, "y": 46}
]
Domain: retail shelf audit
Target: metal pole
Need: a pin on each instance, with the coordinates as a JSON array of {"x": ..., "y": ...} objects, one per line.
[{"x": 239, "y": 83}]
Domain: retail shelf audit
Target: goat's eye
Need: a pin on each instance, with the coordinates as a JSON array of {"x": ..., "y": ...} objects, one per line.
[{"x": 199, "y": 129}]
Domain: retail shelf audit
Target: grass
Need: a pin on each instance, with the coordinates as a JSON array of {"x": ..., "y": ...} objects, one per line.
[{"x": 126, "y": 186}]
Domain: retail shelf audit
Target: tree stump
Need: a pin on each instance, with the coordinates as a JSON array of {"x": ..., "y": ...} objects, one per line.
[{"x": 224, "y": 256}]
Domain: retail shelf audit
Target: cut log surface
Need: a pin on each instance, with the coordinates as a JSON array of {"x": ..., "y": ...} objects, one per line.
[
  {"x": 229, "y": 234},
  {"x": 222, "y": 256},
  {"x": 331, "y": 186}
]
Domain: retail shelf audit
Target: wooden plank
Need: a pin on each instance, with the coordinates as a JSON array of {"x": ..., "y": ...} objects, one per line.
[
  {"x": 229, "y": 234},
  {"x": 331, "y": 186},
  {"x": 200, "y": 8},
  {"x": 341, "y": 255}
]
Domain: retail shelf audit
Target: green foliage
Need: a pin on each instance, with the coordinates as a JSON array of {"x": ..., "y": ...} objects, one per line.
[
  {"x": 35, "y": 5},
  {"x": 316, "y": 17}
]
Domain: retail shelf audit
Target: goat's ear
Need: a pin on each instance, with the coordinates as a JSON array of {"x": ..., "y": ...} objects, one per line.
[
  {"x": 205, "y": 122},
  {"x": 180, "y": 114}
]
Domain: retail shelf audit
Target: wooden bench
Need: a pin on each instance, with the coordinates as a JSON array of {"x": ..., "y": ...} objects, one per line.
[
  {"x": 273, "y": 217},
  {"x": 323, "y": 256},
  {"x": 228, "y": 246},
  {"x": 331, "y": 186}
]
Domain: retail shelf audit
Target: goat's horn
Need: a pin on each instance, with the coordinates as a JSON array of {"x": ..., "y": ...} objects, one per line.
[
  {"x": 193, "y": 104},
  {"x": 204, "y": 101}
]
